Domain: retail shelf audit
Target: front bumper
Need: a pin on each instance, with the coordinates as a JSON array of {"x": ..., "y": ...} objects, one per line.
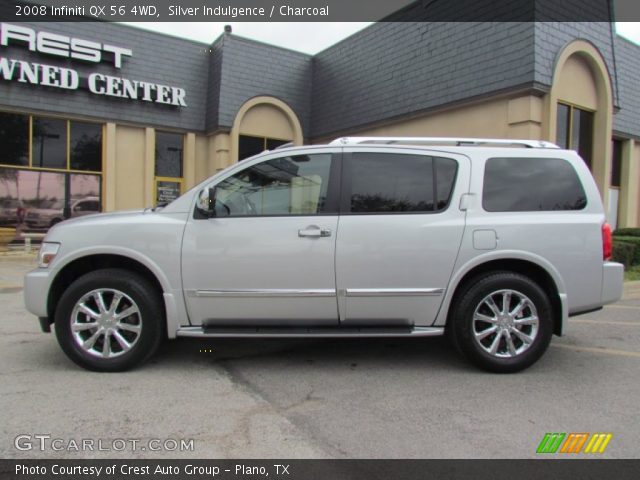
[
  {"x": 36, "y": 291},
  {"x": 612, "y": 282}
]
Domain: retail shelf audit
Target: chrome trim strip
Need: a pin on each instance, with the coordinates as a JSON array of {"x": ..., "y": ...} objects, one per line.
[
  {"x": 198, "y": 332},
  {"x": 394, "y": 292},
  {"x": 260, "y": 293}
]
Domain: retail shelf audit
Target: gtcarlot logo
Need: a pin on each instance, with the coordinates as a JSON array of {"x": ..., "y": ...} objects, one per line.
[
  {"x": 46, "y": 442},
  {"x": 574, "y": 443}
]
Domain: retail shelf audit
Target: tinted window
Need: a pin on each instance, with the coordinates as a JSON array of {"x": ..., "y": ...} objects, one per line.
[
  {"x": 582, "y": 134},
  {"x": 531, "y": 184},
  {"x": 446, "y": 170},
  {"x": 295, "y": 185},
  {"x": 386, "y": 182},
  {"x": 14, "y": 139},
  {"x": 249, "y": 146},
  {"x": 562, "y": 126},
  {"x": 616, "y": 164},
  {"x": 87, "y": 206},
  {"x": 49, "y": 144},
  {"x": 273, "y": 143},
  {"x": 168, "y": 154},
  {"x": 574, "y": 130},
  {"x": 86, "y": 146}
]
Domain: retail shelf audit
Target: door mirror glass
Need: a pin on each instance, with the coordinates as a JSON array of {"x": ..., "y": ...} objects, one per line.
[{"x": 204, "y": 202}]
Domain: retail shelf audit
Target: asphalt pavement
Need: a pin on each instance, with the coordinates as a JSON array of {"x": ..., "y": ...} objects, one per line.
[{"x": 323, "y": 398}]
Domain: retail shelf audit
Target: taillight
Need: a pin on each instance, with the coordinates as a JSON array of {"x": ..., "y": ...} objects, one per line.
[{"x": 607, "y": 242}]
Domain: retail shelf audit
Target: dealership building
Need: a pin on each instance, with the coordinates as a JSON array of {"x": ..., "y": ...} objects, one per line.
[{"x": 105, "y": 116}]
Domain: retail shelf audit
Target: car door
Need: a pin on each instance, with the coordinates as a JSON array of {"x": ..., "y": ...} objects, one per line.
[
  {"x": 400, "y": 231},
  {"x": 267, "y": 256}
]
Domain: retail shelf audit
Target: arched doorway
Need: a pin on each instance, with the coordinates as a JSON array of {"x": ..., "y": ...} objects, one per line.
[
  {"x": 263, "y": 123},
  {"x": 580, "y": 107}
]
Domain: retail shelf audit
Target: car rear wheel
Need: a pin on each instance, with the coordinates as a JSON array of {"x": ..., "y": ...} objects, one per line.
[
  {"x": 109, "y": 320},
  {"x": 502, "y": 322}
]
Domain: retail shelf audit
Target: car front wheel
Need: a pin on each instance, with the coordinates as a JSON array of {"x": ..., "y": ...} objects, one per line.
[{"x": 109, "y": 320}]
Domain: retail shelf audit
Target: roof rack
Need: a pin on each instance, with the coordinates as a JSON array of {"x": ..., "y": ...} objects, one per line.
[{"x": 459, "y": 142}]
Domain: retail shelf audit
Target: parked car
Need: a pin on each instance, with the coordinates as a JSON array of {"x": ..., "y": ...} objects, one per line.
[
  {"x": 52, "y": 212},
  {"x": 495, "y": 242},
  {"x": 12, "y": 212}
]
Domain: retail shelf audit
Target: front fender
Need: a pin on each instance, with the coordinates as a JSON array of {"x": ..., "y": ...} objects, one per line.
[{"x": 172, "y": 292}]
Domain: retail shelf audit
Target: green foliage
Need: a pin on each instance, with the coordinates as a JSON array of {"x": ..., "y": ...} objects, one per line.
[
  {"x": 632, "y": 274},
  {"x": 627, "y": 232},
  {"x": 635, "y": 241},
  {"x": 623, "y": 252},
  {"x": 626, "y": 250}
]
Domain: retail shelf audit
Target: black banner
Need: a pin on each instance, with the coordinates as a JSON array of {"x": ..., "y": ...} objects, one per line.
[
  {"x": 321, "y": 10},
  {"x": 320, "y": 469}
]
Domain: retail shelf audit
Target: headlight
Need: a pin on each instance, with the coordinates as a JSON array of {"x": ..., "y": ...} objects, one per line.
[{"x": 47, "y": 253}]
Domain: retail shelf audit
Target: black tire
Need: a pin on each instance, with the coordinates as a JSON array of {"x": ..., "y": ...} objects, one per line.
[
  {"x": 138, "y": 292},
  {"x": 492, "y": 287}
]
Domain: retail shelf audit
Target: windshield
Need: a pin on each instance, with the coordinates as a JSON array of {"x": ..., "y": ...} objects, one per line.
[{"x": 52, "y": 205}]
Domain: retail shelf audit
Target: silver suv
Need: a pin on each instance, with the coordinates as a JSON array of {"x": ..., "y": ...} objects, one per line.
[{"x": 495, "y": 242}]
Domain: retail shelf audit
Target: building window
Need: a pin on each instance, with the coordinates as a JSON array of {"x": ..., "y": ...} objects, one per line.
[
  {"x": 49, "y": 143},
  {"x": 616, "y": 164},
  {"x": 168, "y": 166},
  {"x": 14, "y": 138},
  {"x": 574, "y": 130},
  {"x": 248, "y": 145},
  {"x": 51, "y": 167},
  {"x": 85, "y": 148}
]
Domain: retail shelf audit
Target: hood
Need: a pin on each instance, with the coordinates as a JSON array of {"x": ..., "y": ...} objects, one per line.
[{"x": 101, "y": 217}]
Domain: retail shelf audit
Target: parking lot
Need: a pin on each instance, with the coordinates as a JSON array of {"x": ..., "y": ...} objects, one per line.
[{"x": 380, "y": 398}]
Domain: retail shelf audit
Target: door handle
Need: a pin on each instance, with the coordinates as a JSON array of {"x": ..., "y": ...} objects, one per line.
[{"x": 314, "y": 231}]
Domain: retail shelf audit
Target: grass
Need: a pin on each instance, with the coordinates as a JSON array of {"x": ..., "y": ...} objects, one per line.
[{"x": 632, "y": 273}]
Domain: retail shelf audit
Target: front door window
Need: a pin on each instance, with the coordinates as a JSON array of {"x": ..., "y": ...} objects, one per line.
[{"x": 294, "y": 185}]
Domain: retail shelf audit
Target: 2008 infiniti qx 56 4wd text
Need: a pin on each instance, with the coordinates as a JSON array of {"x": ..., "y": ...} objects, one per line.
[{"x": 495, "y": 242}]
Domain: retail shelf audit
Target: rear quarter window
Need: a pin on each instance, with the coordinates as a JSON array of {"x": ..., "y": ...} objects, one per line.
[{"x": 531, "y": 184}]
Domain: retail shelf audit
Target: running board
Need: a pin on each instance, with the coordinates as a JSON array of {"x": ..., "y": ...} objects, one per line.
[{"x": 324, "y": 332}]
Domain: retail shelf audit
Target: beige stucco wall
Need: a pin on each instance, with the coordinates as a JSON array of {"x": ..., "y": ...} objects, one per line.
[
  {"x": 219, "y": 151},
  {"x": 128, "y": 167},
  {"x": 263, "y": 116},
  {"x": 266, "y": 120},
  {"x": 629, "y": 202},
  {"x": 636, "y": 180},
  {"x": 201, "y": 159},
  {"x": 576, "y": 85},
  {"x": 515, "y": 117},
  {"x": 130, "y": 148}
]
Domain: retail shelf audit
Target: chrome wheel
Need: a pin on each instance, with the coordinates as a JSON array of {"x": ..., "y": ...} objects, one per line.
[
  {"x": 505, "y": 323},
  {"x": 106, "y": 323}
]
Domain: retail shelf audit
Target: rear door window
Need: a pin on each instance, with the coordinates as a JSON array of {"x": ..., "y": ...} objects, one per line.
[{"x": 397, "y": 183}]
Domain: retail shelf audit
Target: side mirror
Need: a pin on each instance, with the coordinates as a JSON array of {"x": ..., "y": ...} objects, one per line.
[{"x": 206, "y": 202}]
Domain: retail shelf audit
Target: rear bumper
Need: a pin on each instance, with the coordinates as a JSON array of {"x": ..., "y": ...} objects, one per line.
[{"x": 612, "y": 282}]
